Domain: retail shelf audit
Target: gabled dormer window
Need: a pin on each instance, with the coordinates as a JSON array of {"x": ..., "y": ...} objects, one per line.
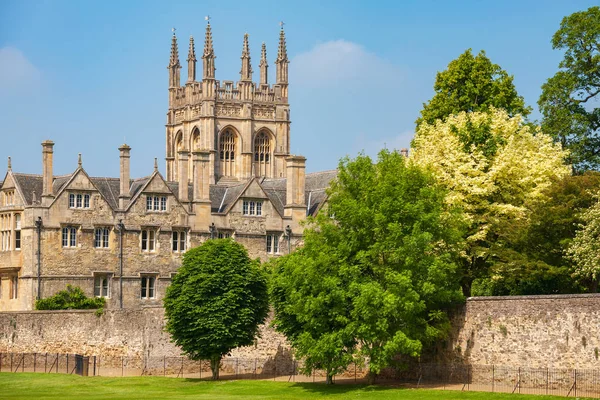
[
  {"x": 79, "y": 200},
  {"x": 156, "y": 203},
  {"x": 252, "y": 207}
]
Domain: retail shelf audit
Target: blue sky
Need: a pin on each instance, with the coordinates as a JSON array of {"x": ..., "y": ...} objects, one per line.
[{"x": 92, "y": 74}]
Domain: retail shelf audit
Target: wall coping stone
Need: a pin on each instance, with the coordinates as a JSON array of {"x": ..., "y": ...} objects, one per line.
[{"x": 535, "y": 297}]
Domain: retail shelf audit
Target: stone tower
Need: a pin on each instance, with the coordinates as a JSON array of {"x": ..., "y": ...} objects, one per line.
[{"x": 243, "y": 127}]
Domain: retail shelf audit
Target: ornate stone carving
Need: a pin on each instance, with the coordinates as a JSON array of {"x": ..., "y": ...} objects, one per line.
[
  {"x": 196, "y": 110},
  {"x": 179, "y": 115},
  {"x": 263, "y": 113},
  {"x": 243, "y": 224},
  {"x": 228, "y": 110}
]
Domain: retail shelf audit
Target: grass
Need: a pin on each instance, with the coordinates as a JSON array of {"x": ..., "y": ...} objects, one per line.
[{"x": 57, "y": 386}]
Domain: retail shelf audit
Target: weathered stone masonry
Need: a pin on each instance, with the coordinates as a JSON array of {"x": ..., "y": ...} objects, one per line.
[{"x": 535, "y": 331}]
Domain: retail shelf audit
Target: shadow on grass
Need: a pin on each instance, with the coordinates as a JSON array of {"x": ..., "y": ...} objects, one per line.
[{"x": 322, "y": 388}]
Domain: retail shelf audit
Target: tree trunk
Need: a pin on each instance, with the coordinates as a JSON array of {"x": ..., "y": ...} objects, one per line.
[
  {"x": 371, "y": 376},
  {"x": 215, "y": 364},
  {"x": 466, "y": 286},
  {"x": 329, "y": 378}
]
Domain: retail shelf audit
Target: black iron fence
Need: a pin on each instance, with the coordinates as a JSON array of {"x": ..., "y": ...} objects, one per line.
[{"x": 487, "y": 378}]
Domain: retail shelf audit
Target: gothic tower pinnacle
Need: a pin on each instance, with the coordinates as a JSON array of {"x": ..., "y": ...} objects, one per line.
[
  {"x": 174, "y": 66},
  {"x": 191, "y": 61},
  {"x": 208, "y": 57},
  {"x": 264, "y": 65},
  {"x": 282, "y": 58},
  {"x": 246, "y": 72}
]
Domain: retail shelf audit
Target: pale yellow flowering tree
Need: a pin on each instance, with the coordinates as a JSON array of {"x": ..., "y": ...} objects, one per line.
[
  {"x": 584, "y": 250},
  {"x": 496, "y": 169}
]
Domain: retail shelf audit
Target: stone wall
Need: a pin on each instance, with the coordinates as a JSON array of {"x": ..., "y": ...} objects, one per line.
[
  {"x": 561, "y": 331},
  {"x": 533, "y": 331},
  {"x": 129, "y": 333}
]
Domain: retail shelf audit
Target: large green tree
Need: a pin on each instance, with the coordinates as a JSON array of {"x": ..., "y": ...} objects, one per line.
[
  {"x": 569, "y": 100},
  {"x": 584, "y": 250},
  {"x": 376, "y": 272},
  {"x": 472, "y": 83},
  {"x": 216, "y": 301},
  {"x": 496, "y": 168}
]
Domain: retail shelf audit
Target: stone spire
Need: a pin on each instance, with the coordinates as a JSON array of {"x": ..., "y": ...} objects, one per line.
[
  {"x": 191, "y": 61},
  {"x": 264, "y": 65},
  {"x": 246, "y": 72},
  {"x": 174, "y": 66},
  {"x": 208, "y": 58},
  {"x": 282, "y": 58}
]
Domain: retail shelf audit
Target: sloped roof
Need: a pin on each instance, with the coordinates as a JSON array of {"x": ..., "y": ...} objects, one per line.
[{"x": 222, "y": 197}]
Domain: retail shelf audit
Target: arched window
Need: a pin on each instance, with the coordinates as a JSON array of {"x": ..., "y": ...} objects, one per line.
[
  {"x": 227, "y": 153},
  {"x": 195, "y": 139},
  {"x": 262, "y": 153},
  {"x": 178, "y": 146}
]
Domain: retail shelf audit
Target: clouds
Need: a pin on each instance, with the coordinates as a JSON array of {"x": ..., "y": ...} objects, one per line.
[
  {"x": 347, "y": 99},
  {"x": 339, "y": 61},
  {"x": 16, "y": 71}
]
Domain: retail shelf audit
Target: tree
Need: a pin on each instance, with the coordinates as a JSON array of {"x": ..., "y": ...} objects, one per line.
[
  {"x": 216, "y": 301},
  {"x": 472, "y": 84},
  {"x": 534, "y": 261},
  {"x": 496, "y": 169},
  {"x": 73, "y": 298},
  {"x": 376, "y": 271},
  {"x": 584, "y": 250},
  {"x": 569, "y": 99}
]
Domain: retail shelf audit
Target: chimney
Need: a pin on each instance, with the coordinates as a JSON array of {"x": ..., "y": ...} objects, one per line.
[
  {"x": 296, "y": 176},
  {"x": 124, "y": 177},
  {"x": 201, "y": 176},
  {"x": 183, "y": 176},
  {"x": 47, "y": 174}
]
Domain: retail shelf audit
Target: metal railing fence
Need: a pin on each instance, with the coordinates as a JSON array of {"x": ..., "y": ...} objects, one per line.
[{"x": 486, "y": 378}]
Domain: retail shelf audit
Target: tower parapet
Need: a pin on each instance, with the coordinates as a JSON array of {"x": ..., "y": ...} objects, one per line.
[{"x": 200, "y": 113}]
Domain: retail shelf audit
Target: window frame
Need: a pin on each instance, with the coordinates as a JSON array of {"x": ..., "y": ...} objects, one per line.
[
  {"x": 252, "y": 208},
  {"x": 148, "y": 238},
  {"x": 156, "y": 203},
  {"x": 102, "y": 237},
  {"x": 179, "y": 240},
  {"x": 272, "y": 242},
  {"x": 69, "y": 236},
  {"x": 104, "y": 290},
  {"x": 14, "y": 287},
  {"x": 148, "y": 286},
  {"x": 79, "y": 201}
]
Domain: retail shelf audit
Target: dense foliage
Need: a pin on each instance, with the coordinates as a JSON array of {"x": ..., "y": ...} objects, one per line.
[
  {"x": 472, "y": 83},
  {"x": 584, "y": 250},
  {"x": 534, "y": 261},
  {"x": 216, "y": 301},
  {"x": 376, "y": 272},
  {"x": 73, "y": 298},
  {"x": 496, "y": 169},
  {"x": 569, "y": 100}
]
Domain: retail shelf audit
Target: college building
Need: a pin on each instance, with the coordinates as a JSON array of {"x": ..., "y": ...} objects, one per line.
[{"x": 229, "y": 173}]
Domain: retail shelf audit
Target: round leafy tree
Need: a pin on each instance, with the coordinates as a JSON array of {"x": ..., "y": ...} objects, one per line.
[{"x": 216, "y": 301}]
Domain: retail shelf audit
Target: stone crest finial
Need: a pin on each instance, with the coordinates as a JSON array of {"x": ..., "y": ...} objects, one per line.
[
  {"x": 9, "y": 164},
  {"x": 79, "y": 160},
  {"x": 155, "y": 164}
]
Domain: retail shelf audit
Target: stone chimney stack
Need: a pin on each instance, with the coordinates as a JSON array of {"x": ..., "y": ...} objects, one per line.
[
  {"x": 295, "y": 204},
  {"x": 124, "y": 193},
  {"x": 202, "y": 189},
  {"x": 47, "y": 172},
  {"x": 183, "y": 176}
]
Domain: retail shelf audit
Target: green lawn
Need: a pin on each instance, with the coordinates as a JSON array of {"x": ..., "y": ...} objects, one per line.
[{"x": 57, "y": 386}]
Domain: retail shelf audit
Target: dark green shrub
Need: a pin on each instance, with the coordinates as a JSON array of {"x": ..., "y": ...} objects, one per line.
[{"x": 72, "y": 298}]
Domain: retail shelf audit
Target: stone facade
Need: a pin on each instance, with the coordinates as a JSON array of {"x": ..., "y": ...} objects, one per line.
[{"x": 229, "y": 173}]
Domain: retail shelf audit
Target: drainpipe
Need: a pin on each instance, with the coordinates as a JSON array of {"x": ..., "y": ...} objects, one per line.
[
  {"x": 38, "y": 225},
  {"x": 121, "y": 228}
]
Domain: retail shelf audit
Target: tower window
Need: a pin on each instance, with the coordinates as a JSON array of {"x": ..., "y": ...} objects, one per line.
[
  {"x": 228, "y": 146},
  {"x": 262, "y": 147}
]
